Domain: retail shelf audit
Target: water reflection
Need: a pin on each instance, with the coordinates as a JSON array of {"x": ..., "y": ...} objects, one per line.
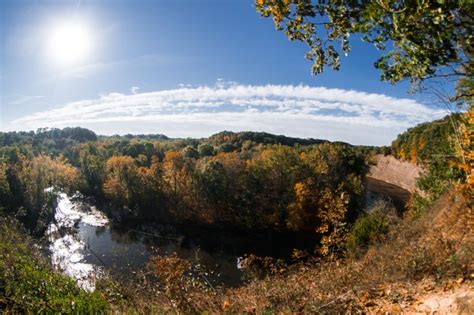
[
  {"x": 377, "y": 189},
  {"x": 84, "y": 244},
  {"x": 66, "y": 246},
  {"x": 123, "y": 251}
]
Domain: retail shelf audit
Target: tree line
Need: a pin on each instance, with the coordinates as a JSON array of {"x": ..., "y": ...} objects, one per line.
[{"x": 244, "y": 180}]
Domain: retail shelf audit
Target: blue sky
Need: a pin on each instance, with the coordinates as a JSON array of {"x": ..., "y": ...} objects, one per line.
[{"x": 189, "y": 68}]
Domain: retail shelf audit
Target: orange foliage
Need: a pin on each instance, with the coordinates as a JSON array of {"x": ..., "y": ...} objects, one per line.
[
  {"x": 122, "y": 174},
  {"x": 332, "y": 213},
  {"x": 402, "y": 154},
  {"x": 45, "y": 172},
  {"x": 302, "y": 208},
  {"x": 42, "y": 171}
]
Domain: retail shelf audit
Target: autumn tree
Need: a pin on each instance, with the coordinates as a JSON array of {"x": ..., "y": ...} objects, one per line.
[
  {"x": 35, "y": 176},
  {"x": 329, "y": 194},
  {"x": 303, "y": 211},
  {"x": 121, "y": 181},
  {"x": 149, "y": 192},
  {"x": 178, "y": 177},
  {"x": 42, "y": 172}
]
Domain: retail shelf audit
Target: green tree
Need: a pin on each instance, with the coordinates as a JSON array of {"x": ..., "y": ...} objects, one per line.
[
  {"x": 191, "y": 152},
  {"x": 5, "y": 193},
  {"x": 420, "y": 39},
  {"x": 92, "y": 167},
  {"x": 214, "y": 183},
  {"x": 205, "y": 149}
]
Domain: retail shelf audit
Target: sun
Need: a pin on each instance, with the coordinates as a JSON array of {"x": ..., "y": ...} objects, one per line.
[{"x": 69, "y": 43}]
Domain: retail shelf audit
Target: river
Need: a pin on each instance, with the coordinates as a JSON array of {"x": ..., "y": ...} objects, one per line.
[
  {"x": 377, "y": 189},
  {"x": 85, "y": 245}
]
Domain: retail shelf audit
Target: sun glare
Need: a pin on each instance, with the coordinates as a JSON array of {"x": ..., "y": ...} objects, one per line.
[{"x": 69, "y": 43}]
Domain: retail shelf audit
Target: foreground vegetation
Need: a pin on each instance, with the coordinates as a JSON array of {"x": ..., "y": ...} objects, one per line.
[
  {"x": 29, "y": 285},
  {"x": 416, "y": 256}
]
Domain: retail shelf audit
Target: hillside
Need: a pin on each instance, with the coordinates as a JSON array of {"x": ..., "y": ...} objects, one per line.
[{"x": 418, "y": 261}]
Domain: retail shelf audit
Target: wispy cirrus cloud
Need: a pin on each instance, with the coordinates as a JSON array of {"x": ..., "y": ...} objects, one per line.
[
  {"x": 151, "y": 60},
  {"x": 25, "y": 99},
  {"x": 302, "y": 111}
]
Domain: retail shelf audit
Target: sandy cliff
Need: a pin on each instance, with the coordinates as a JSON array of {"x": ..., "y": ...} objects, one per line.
[{"x": 395, "y": 172}]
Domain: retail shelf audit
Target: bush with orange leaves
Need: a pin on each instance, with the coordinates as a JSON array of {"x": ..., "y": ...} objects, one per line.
[
  {"x": 185, "y": 286},
  {"x": 172, "y": 272}
]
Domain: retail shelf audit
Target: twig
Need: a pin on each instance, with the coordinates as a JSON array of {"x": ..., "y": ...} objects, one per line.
[{"x": 333, "y": 301}]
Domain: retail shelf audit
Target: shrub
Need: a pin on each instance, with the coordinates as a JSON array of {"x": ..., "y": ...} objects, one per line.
[
  {"x": 367, "y": 229},
  {"x": 185, "y": 285}
]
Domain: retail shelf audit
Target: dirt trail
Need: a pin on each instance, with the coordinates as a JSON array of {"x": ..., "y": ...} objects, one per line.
[{"x": 456, "y": 301}]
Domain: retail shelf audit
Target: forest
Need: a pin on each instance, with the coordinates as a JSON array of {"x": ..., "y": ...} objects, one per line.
[{"x": 241, "y": 180}]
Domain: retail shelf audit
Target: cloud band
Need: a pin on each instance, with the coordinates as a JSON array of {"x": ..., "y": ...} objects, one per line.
[{"x": 302, "y": 111}]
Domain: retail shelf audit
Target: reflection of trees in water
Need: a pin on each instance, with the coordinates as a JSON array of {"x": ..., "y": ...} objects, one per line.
[
  {"x": 123, "y": 236},
  {"x": 123, "y": 252},
  {"x": 99, "y": 230},
  {"x": 154, "y": 242},
  {"x": 126, "y": 250}
]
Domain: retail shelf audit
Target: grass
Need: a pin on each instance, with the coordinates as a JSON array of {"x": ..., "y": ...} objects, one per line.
[{"x": 29, "y": 285}]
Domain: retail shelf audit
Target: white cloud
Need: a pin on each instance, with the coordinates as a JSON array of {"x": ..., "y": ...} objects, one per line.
[
  {"x": 134, "y": 89},
  {"x": 302, "y": 111},
  {"x": 25, "y": 99}
]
